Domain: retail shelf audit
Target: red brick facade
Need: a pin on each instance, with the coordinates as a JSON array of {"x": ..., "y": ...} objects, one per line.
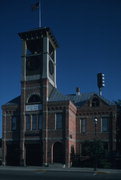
[{"x": 67, "y": 121}]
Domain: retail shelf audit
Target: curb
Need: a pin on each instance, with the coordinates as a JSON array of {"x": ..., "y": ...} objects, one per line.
[{"x": 56, "y": 169}]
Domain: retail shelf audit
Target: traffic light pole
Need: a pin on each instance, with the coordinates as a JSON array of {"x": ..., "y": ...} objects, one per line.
[
  {"x": 100, "y": 82},
  {"x": 100, "y": 91}
]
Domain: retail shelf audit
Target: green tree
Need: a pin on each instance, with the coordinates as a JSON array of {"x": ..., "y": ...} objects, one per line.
[
  {"x": 92, "y": 148},
  {"x": 118, "y": 126}
]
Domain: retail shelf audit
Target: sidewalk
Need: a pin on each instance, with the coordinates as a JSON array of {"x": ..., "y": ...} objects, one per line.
[{"x": 59, "y": 168}]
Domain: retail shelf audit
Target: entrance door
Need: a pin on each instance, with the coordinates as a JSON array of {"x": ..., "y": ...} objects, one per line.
[
  {"x": 58, "y": 153},
  {"x": 33, "y": 154},
  {"x": 13, "y": 154}
]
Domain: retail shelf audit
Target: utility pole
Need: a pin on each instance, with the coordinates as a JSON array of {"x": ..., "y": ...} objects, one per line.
[{"x": 95, "y": 144}]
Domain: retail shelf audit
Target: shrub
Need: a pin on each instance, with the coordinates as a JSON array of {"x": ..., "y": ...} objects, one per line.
[{"x": 104, "y": 163}]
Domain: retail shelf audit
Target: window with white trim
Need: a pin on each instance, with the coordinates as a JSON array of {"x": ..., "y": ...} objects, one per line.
[
  {"x": 28, "y": 122},
  {"x": 83, "y": 124},
  {"x": 40, "y": 121},
  {"x": 34, "y": 121},
  {"x": 58, "y": 120},
  {"x": 14, "y": 123},
  {"x": 105, "y": 124}
]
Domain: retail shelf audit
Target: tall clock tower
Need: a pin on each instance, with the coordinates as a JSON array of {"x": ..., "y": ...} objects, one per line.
[
  {"x": 38, "y": 79},
  {"x": 39, "y": 55}
]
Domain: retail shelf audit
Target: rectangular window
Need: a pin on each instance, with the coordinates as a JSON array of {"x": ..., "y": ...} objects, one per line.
[
  {"x": 28, "y": 122},
  {"x": 13, "y": 124},
  {"x": 80, "y": 148},
  {"x": 58, "y": 120},
  {"x": 40, "y": 121},
  {"x": 105, "y": 124},
  {"x": 34, "y": 122},
  {"x": 82, "y": 125}
]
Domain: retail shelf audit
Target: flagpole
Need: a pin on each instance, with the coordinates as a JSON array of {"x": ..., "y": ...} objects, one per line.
[{"x": 40, "y": 20}]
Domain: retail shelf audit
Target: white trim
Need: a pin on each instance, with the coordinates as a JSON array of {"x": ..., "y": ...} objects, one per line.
[
  {"x": 35, "y": 87},
  {"x": 45, "y": 73},
  {"x": 51, "y": 81},
  {"x": 23, "y": 64},
  {"x": 32, "y": 138},
  {"x": 33, "y": 107},
  {"x": 33, "y": 77}
]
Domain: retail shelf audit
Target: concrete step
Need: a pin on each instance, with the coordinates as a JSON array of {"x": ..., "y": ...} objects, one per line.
[{"x": 56, "y": 165}]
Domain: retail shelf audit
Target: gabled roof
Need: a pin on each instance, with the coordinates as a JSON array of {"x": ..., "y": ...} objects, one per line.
[
  {"x": 14, "y": 101},
  {"x": 78, "y": 100}
]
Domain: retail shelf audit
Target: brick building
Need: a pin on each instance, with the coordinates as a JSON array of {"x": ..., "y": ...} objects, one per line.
[
  {"x": 0, "y": 151},
  {"x": 43, "y": 126}
]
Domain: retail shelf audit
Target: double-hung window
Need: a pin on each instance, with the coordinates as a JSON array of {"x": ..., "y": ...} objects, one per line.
[
  {"x": 28, "y": 122},
  {"x": 58, "y": 120},
  {"x": 34, "y": 122},
  {"x": 83, "y": 124},
  {"x": 14, "y": 123},
  {"x": 40, "y": 121},
  {"x": 105, "y": 124}
]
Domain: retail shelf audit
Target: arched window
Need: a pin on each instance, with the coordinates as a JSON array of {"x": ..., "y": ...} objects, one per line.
[
  {"x": 34, "y": 99},
  {"x": 95, "y": 102}
]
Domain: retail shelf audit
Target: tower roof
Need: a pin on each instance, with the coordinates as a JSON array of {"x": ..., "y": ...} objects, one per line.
[{"x": 38, "y": 33}]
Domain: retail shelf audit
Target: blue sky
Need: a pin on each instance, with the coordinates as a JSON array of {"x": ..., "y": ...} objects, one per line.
[{"x": 89, "y": 37}]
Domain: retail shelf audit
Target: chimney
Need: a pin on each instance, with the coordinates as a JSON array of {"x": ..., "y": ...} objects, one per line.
[{"x": 77, "y": 91}]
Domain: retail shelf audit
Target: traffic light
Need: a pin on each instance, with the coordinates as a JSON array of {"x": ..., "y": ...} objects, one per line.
[{"x": 100, "y": 80}]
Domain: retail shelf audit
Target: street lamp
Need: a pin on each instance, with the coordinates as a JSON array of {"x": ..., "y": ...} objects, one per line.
[
  {"x": 95, "y": 144},
  {"x": 95, "y": 123}
]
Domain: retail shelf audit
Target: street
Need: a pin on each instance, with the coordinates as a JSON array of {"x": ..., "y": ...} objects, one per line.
[{"x": 47, "y": 175}]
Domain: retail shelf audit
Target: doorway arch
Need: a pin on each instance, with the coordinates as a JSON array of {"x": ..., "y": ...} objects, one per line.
[{"x": 58, "y": 153}]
